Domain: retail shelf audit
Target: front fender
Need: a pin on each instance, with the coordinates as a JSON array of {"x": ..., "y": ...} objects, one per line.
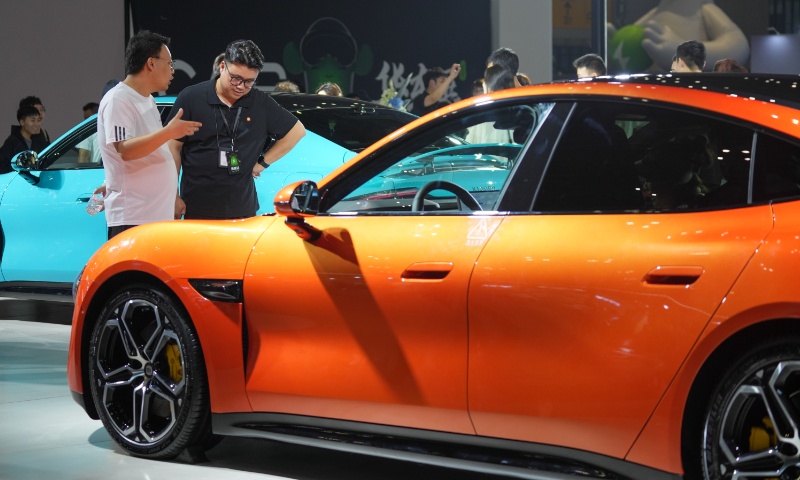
[{"x": 173, "y": 252}]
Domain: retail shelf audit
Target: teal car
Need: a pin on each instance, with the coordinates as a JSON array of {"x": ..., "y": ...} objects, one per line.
[{"x": 47, "y": 236}]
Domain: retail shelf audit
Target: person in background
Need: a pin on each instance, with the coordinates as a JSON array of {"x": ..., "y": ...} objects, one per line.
[
  {"x": 329, "y": 89},
  {"x": 215, "y": 66},
  {"x": 36, "y": 102},
  {"x": 478, "y": 87},
  {"x": 498, "y": 78},
  {"x": 108, "y": 86},
  {"x": 728, "y": 65},
  {"x": 436, "y": 83},
  {"x": 90, "y": 109},
  {"x": 690, "y": 57},
  {"x": 25, "y": 136},
  {"x": 287, "y": 86},
  {"x": 523, "y": 80},
  {"x": 590, "y": 65},
  {"x": 504, "y": 57}
]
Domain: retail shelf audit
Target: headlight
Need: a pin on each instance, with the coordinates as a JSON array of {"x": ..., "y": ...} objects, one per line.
[{"x": 77, "y": 283}]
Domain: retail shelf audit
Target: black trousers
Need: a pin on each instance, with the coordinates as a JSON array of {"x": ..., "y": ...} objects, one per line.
[
  {"x": 189, "y": 216},
  {"x": 114, "y": 231}
]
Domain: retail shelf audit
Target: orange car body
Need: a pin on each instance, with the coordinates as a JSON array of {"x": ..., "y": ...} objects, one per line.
[{"x": 487, "y": 325}]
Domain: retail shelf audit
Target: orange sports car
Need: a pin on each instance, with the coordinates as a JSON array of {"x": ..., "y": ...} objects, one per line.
[{"x": 592, "y": 279}]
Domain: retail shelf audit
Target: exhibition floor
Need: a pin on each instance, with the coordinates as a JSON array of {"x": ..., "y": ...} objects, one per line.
[{"x": 44, "y": 434}]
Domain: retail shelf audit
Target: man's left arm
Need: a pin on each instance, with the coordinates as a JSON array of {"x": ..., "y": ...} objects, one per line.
[{"x": 281, "y": 147}]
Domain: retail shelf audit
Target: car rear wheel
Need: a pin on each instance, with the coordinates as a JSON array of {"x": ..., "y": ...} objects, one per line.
[
  {"x": 751, "y": 426},
  {"x": 147, "y": 374}
]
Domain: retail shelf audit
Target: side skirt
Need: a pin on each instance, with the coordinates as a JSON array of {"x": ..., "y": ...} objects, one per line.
[
  {"x": 464, "y": 452},
  {"x": 47, "y": 291}
]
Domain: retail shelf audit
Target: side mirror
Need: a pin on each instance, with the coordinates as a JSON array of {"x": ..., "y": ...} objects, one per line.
[
  {"x": 297, "y": 201},
  {"x": 27, "y": 160}
]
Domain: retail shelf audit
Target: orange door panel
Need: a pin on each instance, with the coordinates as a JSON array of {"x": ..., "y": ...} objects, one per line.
[
  {"x": 368, "y": 323},
  {"x": 578, "y": 323}
]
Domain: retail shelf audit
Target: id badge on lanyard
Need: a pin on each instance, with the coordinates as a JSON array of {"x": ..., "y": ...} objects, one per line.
[
  {"x": 230, "y": 160},
  {"x": 228, "y": 157}
]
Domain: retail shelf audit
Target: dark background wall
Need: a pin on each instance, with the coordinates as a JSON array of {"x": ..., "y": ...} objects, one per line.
[
  {"x": 402, "y": 39},
  {"x": 62, "y": 52}
]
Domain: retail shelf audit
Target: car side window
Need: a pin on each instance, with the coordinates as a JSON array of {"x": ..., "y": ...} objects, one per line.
[
  {"x": 81, "y": 151},
  {"x": 776, "y": 174},
  {"x": 619, "y": 157},
  {"x": 454, "y": 167}
]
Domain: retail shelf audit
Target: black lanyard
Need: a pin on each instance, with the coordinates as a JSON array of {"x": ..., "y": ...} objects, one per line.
[{"x": 225, "y": 120}]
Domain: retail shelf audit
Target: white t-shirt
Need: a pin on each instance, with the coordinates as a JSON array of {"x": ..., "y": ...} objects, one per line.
[
  {"x": 137, "y": 191},
  {"x": 90, "y": 144}
]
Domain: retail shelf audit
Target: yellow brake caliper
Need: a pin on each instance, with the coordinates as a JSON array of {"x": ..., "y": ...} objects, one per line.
[
  {"x": 175, "y": 365},
  {"x": 763, "y": 438}
]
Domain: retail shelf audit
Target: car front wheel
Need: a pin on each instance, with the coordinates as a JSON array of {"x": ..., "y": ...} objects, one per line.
[
  {"x": 751, "y": 425},
  {"x": 147, "y": 374}
]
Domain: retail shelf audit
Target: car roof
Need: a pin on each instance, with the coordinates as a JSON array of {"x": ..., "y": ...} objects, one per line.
[
  {"x": 304, "y": 101},
  {"x": 766, "y": 87}
]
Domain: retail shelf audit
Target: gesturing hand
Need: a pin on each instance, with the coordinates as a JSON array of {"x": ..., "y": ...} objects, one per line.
[
  {"x": 181, "y": 128},
  {"x": 455, "y": 70}
]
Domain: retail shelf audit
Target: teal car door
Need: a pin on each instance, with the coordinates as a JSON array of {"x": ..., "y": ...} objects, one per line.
[{"x": 48, "y": 234}]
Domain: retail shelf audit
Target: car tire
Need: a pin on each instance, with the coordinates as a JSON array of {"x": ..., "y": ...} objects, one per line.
[
  {"x": 147, "y": 374},
  {"x": 750, "y": 428}
]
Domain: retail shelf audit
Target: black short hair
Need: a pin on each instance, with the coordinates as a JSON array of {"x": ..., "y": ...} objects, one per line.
[
  {"x": 498, "y": 77},
  {"x": 591, "y": 62},
  {"x": 91, "y": 106},
  {"x": 30, "y": 101},
  {"x": 142, "y": 46},
  {"x": 245, "y": 52},
  {"x": 432, "y": 74},
  {"x": 505, "y": 57},
  {"x": 693, "y": 54},
  {"x": 26, "y": 111}
]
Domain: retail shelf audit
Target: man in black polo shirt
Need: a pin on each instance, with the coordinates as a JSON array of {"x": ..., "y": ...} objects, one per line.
[{"x": 221, "y": 160}]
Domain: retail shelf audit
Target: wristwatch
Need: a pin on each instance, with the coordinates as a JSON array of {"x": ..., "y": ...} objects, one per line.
[{"x": 262, "y": 162}]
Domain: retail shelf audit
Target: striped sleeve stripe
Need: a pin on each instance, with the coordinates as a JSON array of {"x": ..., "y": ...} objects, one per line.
[{"x": 119, "y": 134}]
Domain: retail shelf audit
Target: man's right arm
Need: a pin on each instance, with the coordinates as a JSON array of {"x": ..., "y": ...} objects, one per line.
[
  {"x": 140, "y": 147},
  {"x": 439, "y": 91}
]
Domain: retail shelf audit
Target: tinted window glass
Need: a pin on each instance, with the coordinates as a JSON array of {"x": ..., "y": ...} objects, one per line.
[
  {"x": 354, "y": 128},
  {"x": 777, "y": 169},
  {"x": 620, "y": 157},
  {"x": 473, "y": 153},
  {"x": 80, "y": 151}
]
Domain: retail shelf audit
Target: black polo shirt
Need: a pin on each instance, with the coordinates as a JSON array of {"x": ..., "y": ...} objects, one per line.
[{"x": 208, "y": 190}]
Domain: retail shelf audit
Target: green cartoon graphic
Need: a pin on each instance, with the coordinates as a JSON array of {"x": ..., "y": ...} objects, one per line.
[{"x": 327, "y": 53}]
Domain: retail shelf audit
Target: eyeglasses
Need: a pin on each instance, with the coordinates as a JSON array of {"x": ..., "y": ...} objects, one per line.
[
  {"x": 236, "y": 80},
  {"x": 171, "y": 63}
]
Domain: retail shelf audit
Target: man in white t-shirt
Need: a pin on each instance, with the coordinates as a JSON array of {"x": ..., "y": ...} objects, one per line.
[{"x": 141, "y": 178}]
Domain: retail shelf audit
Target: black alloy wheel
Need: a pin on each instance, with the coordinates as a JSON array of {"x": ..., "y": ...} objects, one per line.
[
  {"x": 751, "y": 426},
  {"x": 147, "y": 374}
]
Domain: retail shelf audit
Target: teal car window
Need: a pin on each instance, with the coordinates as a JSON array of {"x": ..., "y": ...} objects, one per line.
[
  {"x": 475, "y": 153},
  {"x": 80, "y": 151}
]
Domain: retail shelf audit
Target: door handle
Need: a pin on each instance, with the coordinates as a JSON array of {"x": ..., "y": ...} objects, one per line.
[
  {"x": 427, "y": 271},
  {"x": 673, "y": 275},
  {"x": 84, "y": 197}
]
